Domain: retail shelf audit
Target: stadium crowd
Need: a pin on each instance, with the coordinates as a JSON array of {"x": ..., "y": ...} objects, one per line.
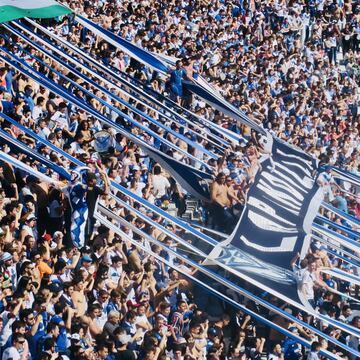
[{"x": 291, "y": 65}]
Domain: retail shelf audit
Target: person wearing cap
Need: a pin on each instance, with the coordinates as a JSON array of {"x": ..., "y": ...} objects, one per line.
[
  {"x": 58, "y": 237},
  {"x": 213, "y": 338},
  {"x": 29, "y": 228},
  {"x": 86, "y": 266},
  {"x": 9, "y": 268}
]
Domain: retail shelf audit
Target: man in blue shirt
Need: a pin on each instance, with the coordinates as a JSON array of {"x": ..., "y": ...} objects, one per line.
[
  {"x": 176, "y": 77},
  {"x": 27, "y": 96}
]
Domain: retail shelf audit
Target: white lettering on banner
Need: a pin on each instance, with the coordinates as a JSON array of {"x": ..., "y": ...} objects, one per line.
[
  {"x": 304, "y": 182},
  {"x": 253, "y": 201},
  {"x": 305, "y": 171},
  {"x": 269, "y": 225},
  {"x": 281, "y": 204},
  {"x": 307, "y": 163},
  {"x": 278, "y": 195},
  {"x": 287, "y": 244},
  {"x": 285, "y": 185},
  {"x": 292, "y": 202},
  {"x": 281, "y": 175}
]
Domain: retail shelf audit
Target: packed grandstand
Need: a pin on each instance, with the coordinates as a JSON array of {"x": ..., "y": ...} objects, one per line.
[{"x": 179, "y": 180}]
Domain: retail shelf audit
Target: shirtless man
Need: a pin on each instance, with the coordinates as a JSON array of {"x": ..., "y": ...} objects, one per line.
[
  {"x": 221, "y": 203},
  {"x": 92, "y": 320},
  {"x": 78, "y": 297}
]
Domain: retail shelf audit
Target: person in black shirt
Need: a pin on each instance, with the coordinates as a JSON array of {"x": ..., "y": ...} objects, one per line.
[{"x": 93, "y": 192}]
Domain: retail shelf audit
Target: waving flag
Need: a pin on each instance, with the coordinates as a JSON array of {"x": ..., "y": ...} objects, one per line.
[
  {"x": 136, "y": 52},
  {"x": 76, "y": 194},
  {"x": 16, "y": 9},
  {"x": 212, "y": 97},
  {"x": 276, "y": 222},
  {"x": 192, "y": 180}
]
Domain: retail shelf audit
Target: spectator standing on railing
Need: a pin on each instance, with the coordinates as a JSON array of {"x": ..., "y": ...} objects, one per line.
[{"x": 175, "y": 82}]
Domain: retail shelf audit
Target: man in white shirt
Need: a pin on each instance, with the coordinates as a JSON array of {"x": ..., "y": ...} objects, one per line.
[
  {"x": 313, "y": 354},
  {"x": 276, "y": 353},
  {"x": 326, "y": 180},
  {"x": 142, "y": 323},
  {"x": 160, "y": 183},
  {"x": 308, "y": 282},
  {"x": 43, "y": 130},
  {"x": 61, "y": 117},
  {"x": 13, "y": 352},
  {"x": 38, "y": 110},
  {"x": 115, "y": 269}
]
